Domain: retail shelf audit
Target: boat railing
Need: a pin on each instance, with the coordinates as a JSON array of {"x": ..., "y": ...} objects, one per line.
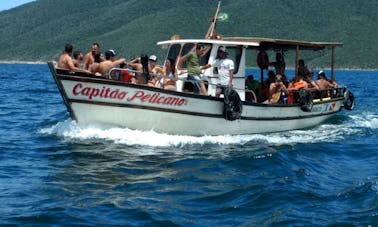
[
  {"x": 322, "y": 95},
  {"x": 113, "y": 71}
]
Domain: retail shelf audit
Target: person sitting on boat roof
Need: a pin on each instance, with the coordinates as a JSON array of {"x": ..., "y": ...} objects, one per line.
[
  {"x": 225, "y": 68},
  {"x": 65, "y": 60},
  {"x": 109, "y": 63},
  {"x": 279, "y": 64},
  {"x": 77, "y": 58},
  {"x": 277, "y": 91},
  {"x": 194, "y": 68},
  {"x": 170, "y": 75},
  {"x": 89, "y": 57}
]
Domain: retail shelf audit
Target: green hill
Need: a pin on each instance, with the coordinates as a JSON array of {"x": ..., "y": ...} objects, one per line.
[{"x": 39, "y": 30}]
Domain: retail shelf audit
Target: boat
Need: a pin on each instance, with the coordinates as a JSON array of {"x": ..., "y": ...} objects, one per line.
[{"x": 104, "y": 100}]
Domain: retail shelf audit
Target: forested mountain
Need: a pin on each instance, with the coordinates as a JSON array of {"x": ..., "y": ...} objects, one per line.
[{"x": 39, "y": 30}]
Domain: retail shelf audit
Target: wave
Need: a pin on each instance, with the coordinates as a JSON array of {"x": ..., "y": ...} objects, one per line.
[{"x": 329, "y": 132}]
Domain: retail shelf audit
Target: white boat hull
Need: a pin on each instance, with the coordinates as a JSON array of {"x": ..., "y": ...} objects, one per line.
[{"x": 107, "y": 102}]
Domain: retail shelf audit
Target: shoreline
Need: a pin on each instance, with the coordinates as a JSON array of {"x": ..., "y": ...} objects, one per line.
[
  {"x": 289, "y": 68},
  {"x": 24, "y": 62}
]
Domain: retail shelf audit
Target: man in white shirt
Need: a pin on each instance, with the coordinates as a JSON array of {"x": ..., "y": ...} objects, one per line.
[{"x": 225, "y": 69}]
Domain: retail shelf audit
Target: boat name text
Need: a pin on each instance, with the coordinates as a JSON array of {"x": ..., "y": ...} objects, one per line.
[{"x": 138, "y": 95}]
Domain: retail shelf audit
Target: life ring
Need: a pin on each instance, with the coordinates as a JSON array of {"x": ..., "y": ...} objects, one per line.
[
  {"x": 233, "y": 106},
  {"x": 349, "y": 100},
  {"x": 306, "y": 100},
  {"x": 263, "y": 59}
]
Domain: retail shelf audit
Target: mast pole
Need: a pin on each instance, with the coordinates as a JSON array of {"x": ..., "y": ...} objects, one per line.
[{"x": 210, "y": 31}]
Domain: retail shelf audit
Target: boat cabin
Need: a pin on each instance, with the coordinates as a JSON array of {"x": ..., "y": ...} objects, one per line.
[{"x": 245, "y": 52}]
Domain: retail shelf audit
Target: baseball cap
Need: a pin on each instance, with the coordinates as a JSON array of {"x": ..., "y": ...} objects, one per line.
[
  {"x": 152, "y": 58},
  {"x": 113, "y": 52},
  {"x": 222, "y": 48}
]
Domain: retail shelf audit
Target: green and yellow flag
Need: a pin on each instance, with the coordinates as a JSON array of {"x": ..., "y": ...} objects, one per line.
[{"x": 222, "y": 17}]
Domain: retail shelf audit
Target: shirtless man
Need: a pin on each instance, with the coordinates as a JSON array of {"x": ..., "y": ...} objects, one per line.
[
  {"x": 65, "y": 60},
  {"x": 77, "y": 57},
  {"x": 109, "y": 63},
  {"x": 89, "y": 57},
  {"x": 322, "y": 81}
]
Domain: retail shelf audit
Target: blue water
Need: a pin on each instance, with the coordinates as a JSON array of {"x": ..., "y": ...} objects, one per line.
[{"x": 52, "y": 172}]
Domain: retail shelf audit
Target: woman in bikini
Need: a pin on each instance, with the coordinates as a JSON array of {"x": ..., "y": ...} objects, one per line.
[{"x": 170, "y": 75}]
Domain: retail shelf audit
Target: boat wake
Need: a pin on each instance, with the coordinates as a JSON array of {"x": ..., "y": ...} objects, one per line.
[{"x": 331, "y": 132}]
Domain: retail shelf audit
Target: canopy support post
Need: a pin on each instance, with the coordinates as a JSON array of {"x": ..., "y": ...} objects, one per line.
[
  {"x": 333, "y": 64},
  {"x": 296, "y": 59}
]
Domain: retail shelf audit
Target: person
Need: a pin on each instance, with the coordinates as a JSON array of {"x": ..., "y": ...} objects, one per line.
[
  {"x": 225, "y": 68},
  {"x": 194, "y": 68},
  {"x": 153, "y": 67},
  {"x": 89, "y": 57},
  {"x": 333, "y": 82},
  {"x": 136, "y": 64},
  {"x": 124, "y": 74},
  {"x": 311, "y": 85},
  {"x": 253, "y": 85},
  {"x": 302, "y": 69},
  {"x": 266, "y": 84},
  {"x": 77, "y": 58},
  {"x": 322, "y": 81},
  {"x": 110, "y": 62},
  {"x": 95, "y": 66},
  {"x": 279, "y": 64},
  {"x": 170, "y": 75},
  {"x": 65, "y": 60},
  {"x": 298, "y": 83},
  {"x": 277, "y": 91}
]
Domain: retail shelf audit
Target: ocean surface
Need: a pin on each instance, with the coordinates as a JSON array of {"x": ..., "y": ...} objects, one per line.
[{"x": 54, "y": 173}]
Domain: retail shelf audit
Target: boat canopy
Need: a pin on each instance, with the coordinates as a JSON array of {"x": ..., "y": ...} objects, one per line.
[
  {"x": 208, "y": 41},
  {"x": 260, "y": 43},
  {"x": 269, "y": 43}
]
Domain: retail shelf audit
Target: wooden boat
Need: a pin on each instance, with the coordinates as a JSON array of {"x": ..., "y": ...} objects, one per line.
[{"x": 96, "y": 100}]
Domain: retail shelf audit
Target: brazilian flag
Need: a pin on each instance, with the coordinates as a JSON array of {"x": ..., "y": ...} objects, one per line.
[{"x": 222, "y": 17}]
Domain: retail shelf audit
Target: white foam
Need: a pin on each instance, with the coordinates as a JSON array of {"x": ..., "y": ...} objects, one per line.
[
  {"x": 69, "y": 130},
  {"x": 367, "y": 120}
]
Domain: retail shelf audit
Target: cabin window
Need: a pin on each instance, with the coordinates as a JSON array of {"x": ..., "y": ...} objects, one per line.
[{"x": 174, "y": 52}]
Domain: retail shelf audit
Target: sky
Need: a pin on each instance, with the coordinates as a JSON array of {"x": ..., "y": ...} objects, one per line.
[{"x": 8, "y": 4}]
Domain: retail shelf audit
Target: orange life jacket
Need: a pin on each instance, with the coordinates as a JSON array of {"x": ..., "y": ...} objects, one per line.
[{"x": 299, "y": 85}]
